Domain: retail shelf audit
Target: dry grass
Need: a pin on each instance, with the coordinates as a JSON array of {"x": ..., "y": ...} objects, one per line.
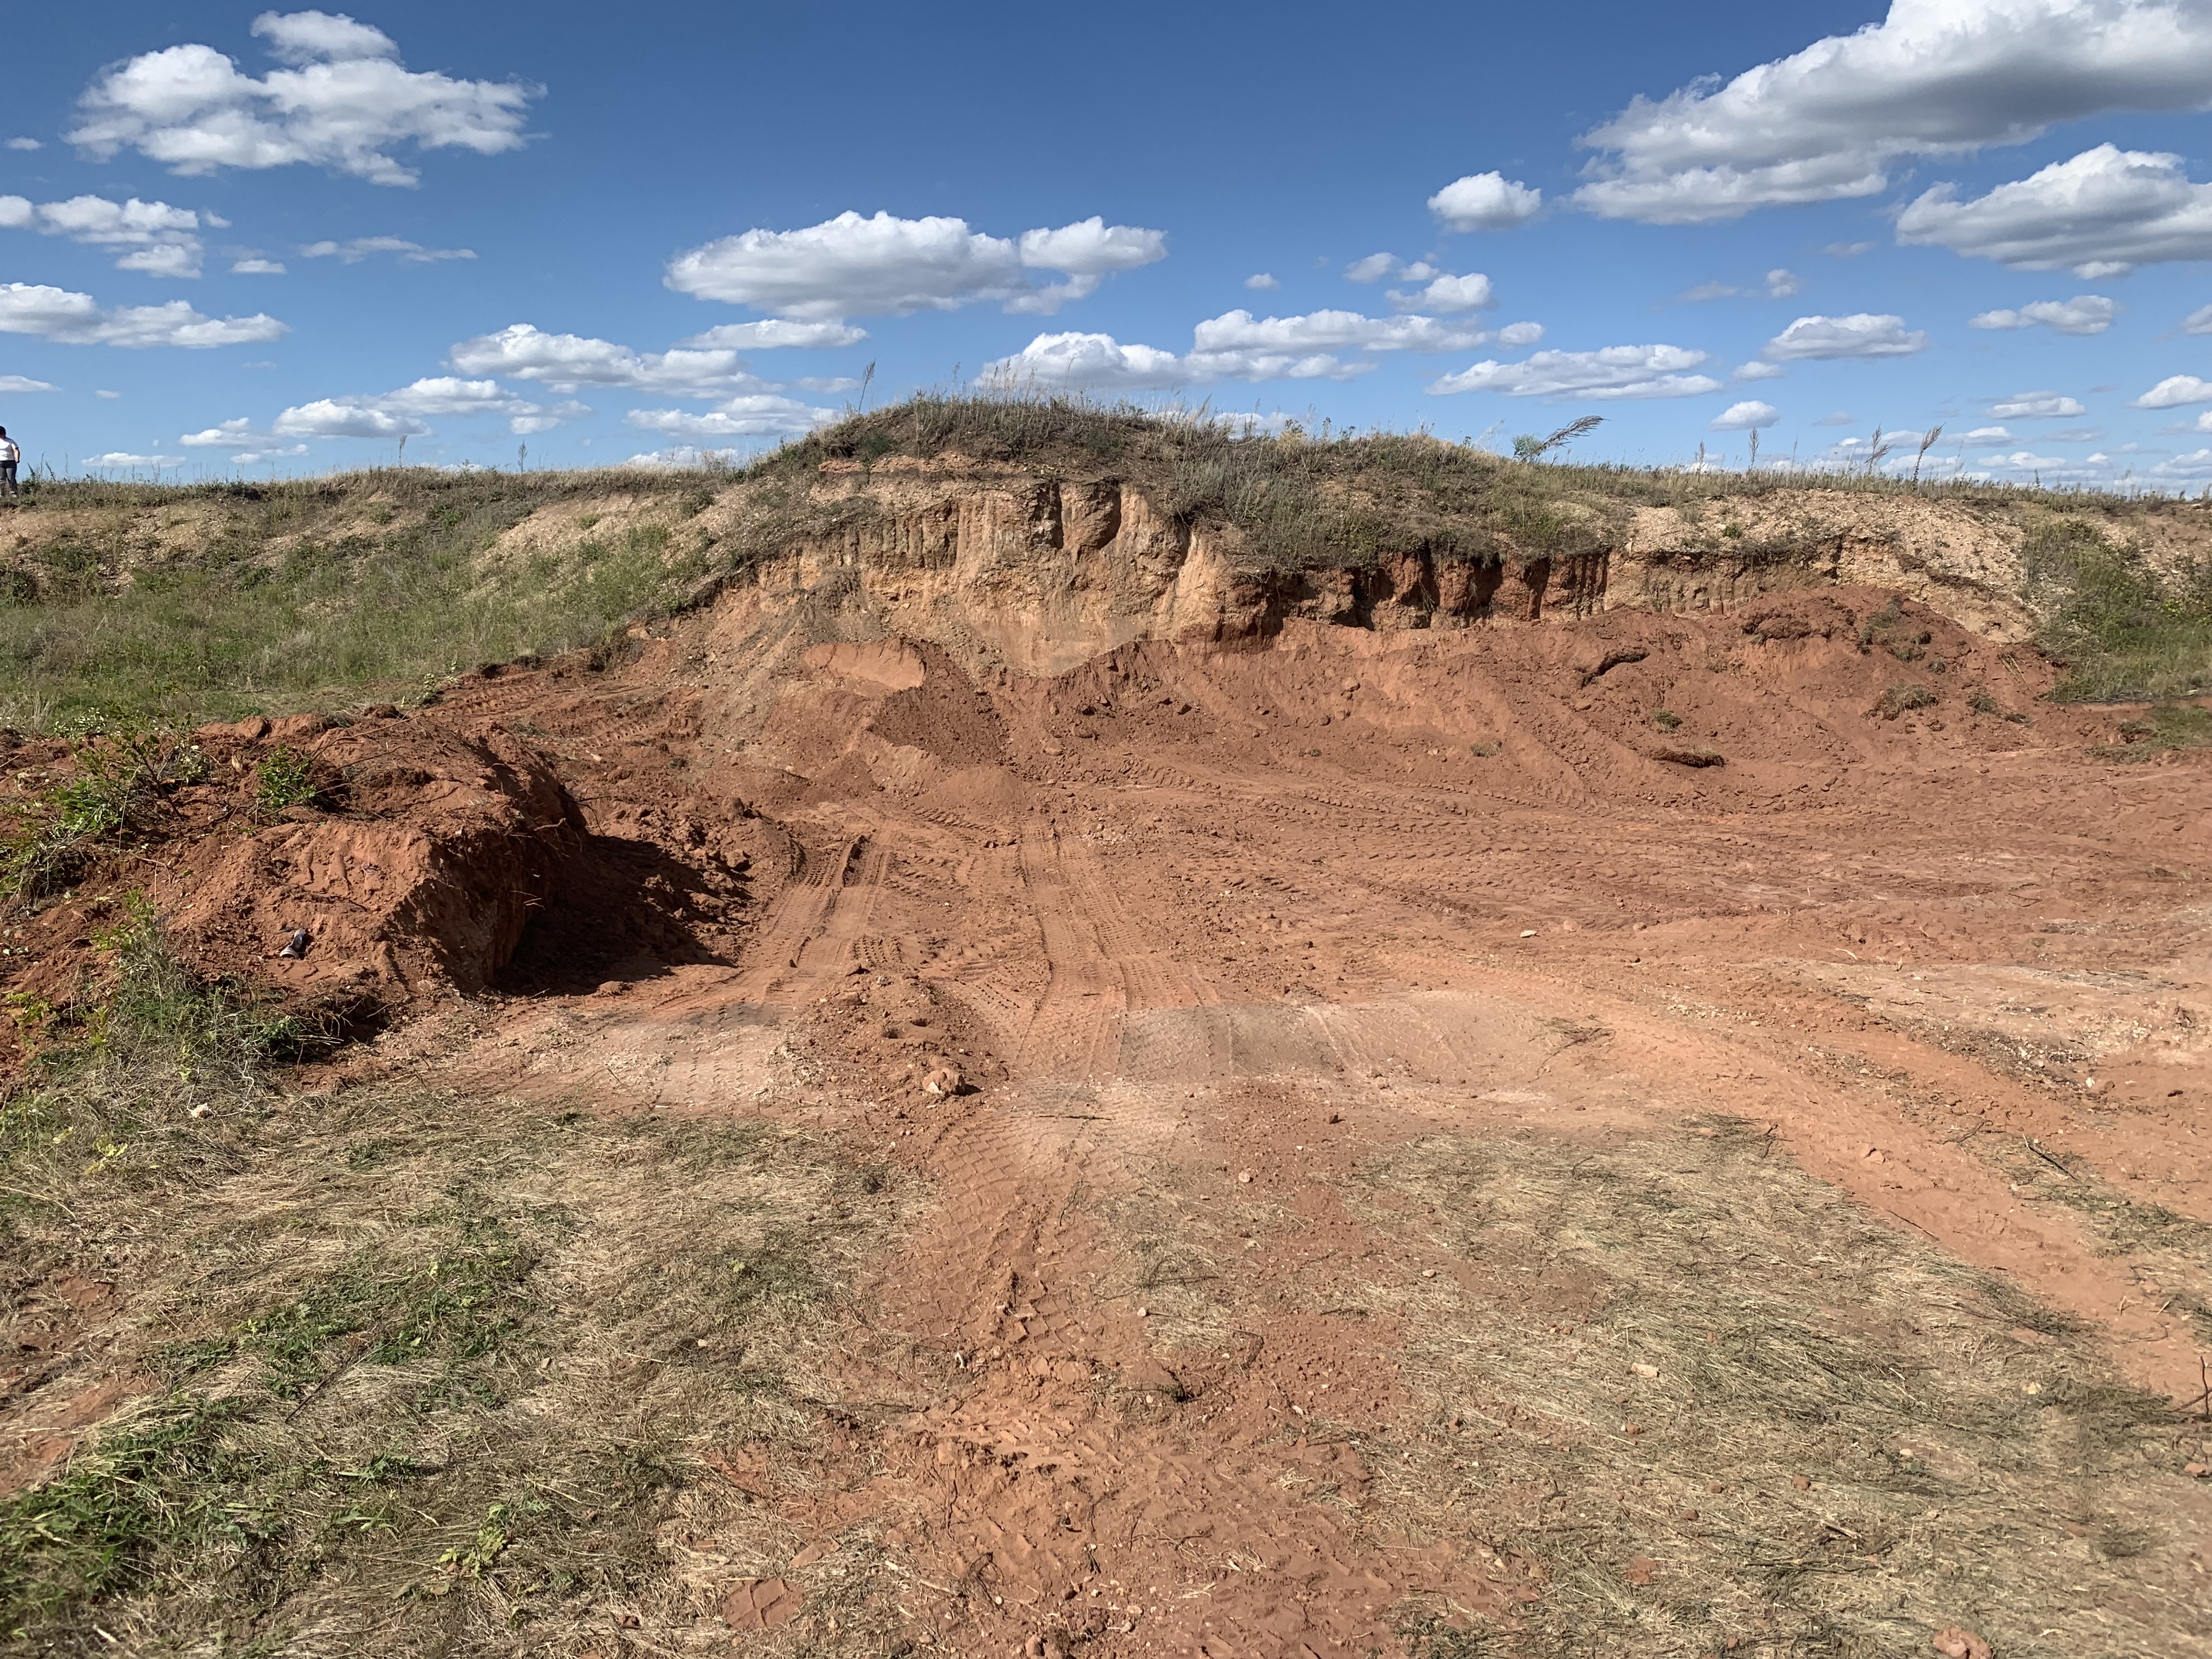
[
  {"x": 423, "y": 1373},
  {"x": 1841, "y": 1440}
]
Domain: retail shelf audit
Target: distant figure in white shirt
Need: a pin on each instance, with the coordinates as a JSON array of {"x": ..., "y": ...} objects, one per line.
[{"x": 10, "y": 454}]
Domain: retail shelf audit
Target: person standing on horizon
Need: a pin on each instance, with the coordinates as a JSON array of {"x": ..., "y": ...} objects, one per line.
[{"x": 10, "y": 454}]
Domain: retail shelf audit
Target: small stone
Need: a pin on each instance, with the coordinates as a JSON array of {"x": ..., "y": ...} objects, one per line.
[
  {"x": 1802, "y": 1482},
  {"x": 1957, "y": 1641},
  {"x": 2197, "y": 1471},
  {"x": 1642, "y": 1369},
  {"x": 1244, "y": 1178},
  {"x": 1527, "y": 932}
]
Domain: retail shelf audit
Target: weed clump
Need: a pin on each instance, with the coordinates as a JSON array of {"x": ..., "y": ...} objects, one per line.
[
  {"x": 2122, "y": 633},
  {"x": 1903, "y": 697}
]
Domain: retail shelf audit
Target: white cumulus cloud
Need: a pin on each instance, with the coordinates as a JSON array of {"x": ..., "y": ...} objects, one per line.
[
  {"x": 1331, "y": 330},
  {"x": 2199, "y": 322},
  {"x": 154, "y": 238},
  {"x": 1472, "y": 292},
  {"x": 1756, "y": 370},
  {"x": 1746, "y": 416},
  {"x": 2102, "y": 214},
  {"x": 2173, "y": 392},
  {"x": 2085, "y": 313},
  {"x": 344, "y": 100},
  {"x": 758, "y": 415},
  {"x": 1372, "y": 268},
  {"x": 1094, "y": 362},
  {"x": 1610, "y": 372},
  {"x": 55, "y": 313},
  {"x": 2040, "y": 406},
  {"x": 567, "y": 363},
  {"x": 1989, "y": 434},
  {"x": 1486, "y": 201},
  {"x": 1933, "y": 78},
  {"x": 400, "y": 413},
  {"x": 849, "y": 266},
  {"x": 14, "y": 383},
  {"x": 1262, "y": 282},
  {"x": 1860, "y": 335},
  {"x": 116, "y": 459},
  {"x": 254, "y": 266}
]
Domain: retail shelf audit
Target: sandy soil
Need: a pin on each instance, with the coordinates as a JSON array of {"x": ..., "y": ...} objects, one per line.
[{"x": 1215, "y": 940}]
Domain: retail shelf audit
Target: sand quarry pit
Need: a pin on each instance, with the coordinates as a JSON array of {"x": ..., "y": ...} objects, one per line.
[{"x": 1634, "y": 1136}]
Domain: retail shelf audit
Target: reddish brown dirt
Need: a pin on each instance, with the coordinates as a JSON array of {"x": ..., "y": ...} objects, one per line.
[{"x": 1207, "y": 930}]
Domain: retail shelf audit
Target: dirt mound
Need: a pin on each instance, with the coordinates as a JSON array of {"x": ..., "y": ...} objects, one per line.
[{"x": 1428, "y": 1168}]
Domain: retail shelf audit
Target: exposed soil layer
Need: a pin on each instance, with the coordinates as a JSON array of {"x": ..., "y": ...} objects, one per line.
[{"x": 1258, "y": 1018}]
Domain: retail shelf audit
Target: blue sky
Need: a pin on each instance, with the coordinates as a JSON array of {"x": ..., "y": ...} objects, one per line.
[{"x": 286, "y": 239}]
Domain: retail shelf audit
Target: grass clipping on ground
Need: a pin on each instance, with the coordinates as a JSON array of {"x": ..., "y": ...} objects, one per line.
[
  {"x": 422, "y": 1372},
  {"x": 1704, "y": 1398}
]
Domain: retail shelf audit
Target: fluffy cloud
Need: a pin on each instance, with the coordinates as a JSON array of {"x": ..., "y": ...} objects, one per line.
[
  {"x": 1448, "y": 294},
  {"x": 1755, "y": 370},
  {"x": 1610, "y": 372},
  {"x": 1989, "y": 434},
  {"x": 360, "y": 247},
  {"x": 345, "y": 417},
  {"x": 2103, "y": 213},
  {"x": 396, "y": 414},
  {"x": 343, "y": 101},
  {"x": 1098, "y": 361},
  {"x": 755, "y": 416},
  {"x": 1262, "y": 282},
  {"x": 2171, "y": 392},
  {"x": 24, "y": 143},
  {"x": 1936, "y": 77},
  {"x": 1373, "y": 269},
  {"x": 55, "y": 313},
  {"x": 156, "y": 239},
  {"x": 1860, "y": 335},
  {"x": 2039, "y": 406},
  {"x": 1327, "y": 330},
  {"x": 116, "y": 458},
  {"x": 19, "y": 383},
  {"x": 682, "y": 457},
  {"x": 849, "y": 266},
  {"x": 2085, "y": 313},
  {"x": 254, "y": 266},
  {"x": 247, "y": 446},
  {"x": 1746, "y": 416},
  {"x": 774, "y": 334},
  {"x": 567, "y": 363},
  {"x": 1486, "y": 201},
  {"x": 2199, "y": 322}
]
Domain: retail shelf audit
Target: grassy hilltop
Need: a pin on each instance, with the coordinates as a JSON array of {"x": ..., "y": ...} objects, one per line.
[{"x": 170, "y": 604}]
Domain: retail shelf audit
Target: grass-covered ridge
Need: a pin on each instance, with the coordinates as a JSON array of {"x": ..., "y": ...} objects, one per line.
[{"x": 136, "y": 604}]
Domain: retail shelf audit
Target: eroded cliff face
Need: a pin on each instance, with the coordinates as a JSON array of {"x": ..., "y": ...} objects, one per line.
[{"x": 1037, "y": 573}]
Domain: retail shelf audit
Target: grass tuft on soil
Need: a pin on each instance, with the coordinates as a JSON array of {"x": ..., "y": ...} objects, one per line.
[
  {"x": 413, "y": 1368},
  {"x": 1706, "y": 1397}
]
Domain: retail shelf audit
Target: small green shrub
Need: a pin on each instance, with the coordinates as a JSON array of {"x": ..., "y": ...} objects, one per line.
[
  {"x": 1665, "y": 719},
  {"x": 286, "y": 778}
]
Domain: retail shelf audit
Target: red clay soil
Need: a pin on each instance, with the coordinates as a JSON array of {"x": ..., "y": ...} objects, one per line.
[{"x": 1256, "y": 916}]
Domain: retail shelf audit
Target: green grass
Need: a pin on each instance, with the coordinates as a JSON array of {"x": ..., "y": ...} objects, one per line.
[
  {"x": 2125, "y": 636},
  {"x": 422, "y": 1372},
  {"x": 294, "y": 595},
  {"x": 125, "y": 605}
]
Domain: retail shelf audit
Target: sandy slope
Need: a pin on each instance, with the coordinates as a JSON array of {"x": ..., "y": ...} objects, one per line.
[{"x": 1219, "y": 940}]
